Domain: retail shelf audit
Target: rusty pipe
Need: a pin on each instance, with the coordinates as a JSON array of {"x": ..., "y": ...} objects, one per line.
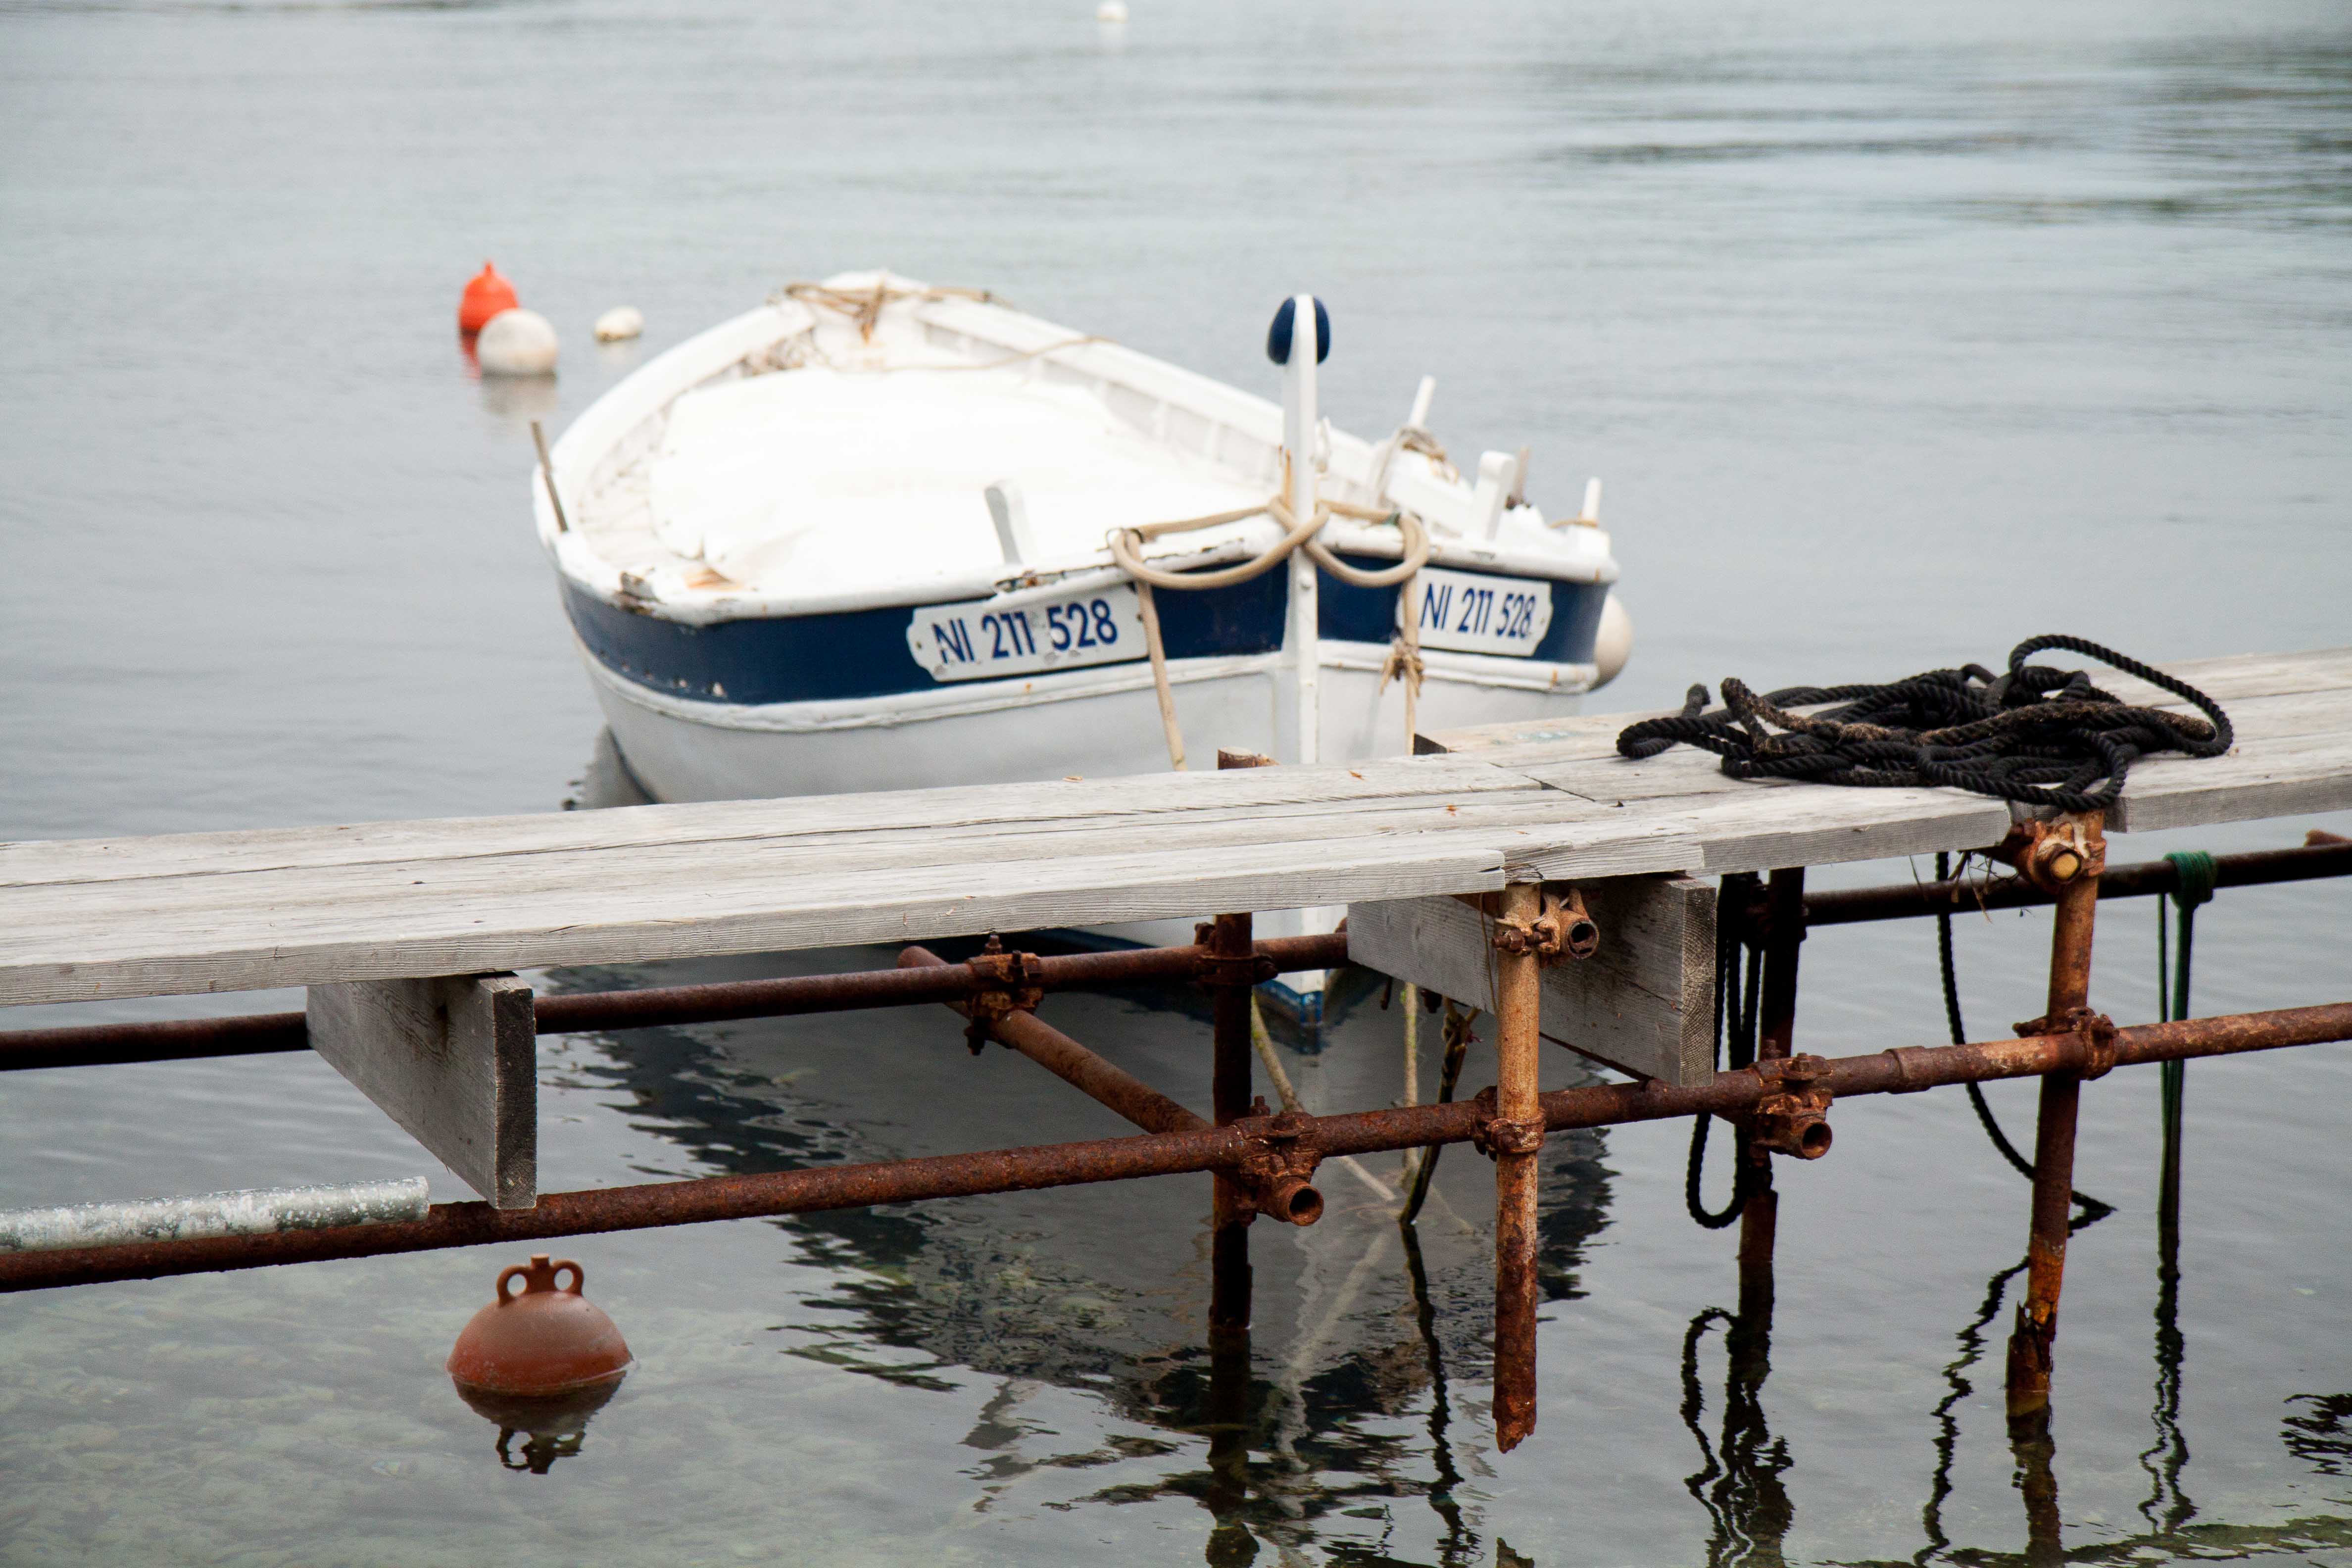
[
  {"x": 1109, "y": 1086},
  {"x": 1899, "y": 1071},
  {"x": 1515, "y": 1136},
  {"x": 2251, "y": 868},
  {"x": 2079, "y": 840},
  {"x": 1230, "y": 1096},
  {"x": 103, "y": 1045},
  {"x": 1283, "y": 1192}
]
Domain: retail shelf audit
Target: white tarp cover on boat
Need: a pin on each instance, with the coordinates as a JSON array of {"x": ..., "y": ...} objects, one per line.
[{"x": 821, "y": 480}]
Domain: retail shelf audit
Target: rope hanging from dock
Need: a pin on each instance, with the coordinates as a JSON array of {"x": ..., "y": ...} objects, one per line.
[
  {"x": 2035, "y": 734},
  {"x": 2197, "y": 872},
  {"x": 1737, "y": 1006},
  {"x": 2092, "y": 1209}
]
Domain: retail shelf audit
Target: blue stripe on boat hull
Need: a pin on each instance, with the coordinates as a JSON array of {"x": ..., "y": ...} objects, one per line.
[{"x": 863, "y": 653}]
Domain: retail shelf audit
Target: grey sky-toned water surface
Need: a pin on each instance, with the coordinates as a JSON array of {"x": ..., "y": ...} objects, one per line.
[{"x": 1898, "y": 333}]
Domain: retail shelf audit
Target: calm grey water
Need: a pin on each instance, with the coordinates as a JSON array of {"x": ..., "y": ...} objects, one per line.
[{"x": 1897, "y": 332}]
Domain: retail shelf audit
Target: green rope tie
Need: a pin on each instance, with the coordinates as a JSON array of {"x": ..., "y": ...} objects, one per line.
[{"x": 2192, "y": 873}]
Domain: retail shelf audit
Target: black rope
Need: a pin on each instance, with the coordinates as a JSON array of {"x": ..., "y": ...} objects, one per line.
[
  {"x": 1737, "y": 1008},
  {"x": 2093, "y": 1208},
  {"x": 2036, "y": 734}
]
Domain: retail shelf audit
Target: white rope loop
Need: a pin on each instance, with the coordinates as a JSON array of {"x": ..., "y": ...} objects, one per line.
[{"x": 1405, "y": 655}]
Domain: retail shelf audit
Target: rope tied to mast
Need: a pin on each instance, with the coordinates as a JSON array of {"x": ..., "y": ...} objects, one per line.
[
  {"x": 1405, "y": 653},
  {"x": 2034, "y": 733}
]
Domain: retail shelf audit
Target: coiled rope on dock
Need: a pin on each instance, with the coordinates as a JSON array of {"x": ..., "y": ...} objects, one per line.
[{"x": 2034, "y": 733}]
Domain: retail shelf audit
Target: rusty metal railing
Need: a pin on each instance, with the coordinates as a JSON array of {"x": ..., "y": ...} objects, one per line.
[{"x": 1233, "y": 1147}]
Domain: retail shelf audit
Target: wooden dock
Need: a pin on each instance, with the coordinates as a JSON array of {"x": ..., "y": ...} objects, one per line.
[
  {"x": 1467, "y": 870},
  {"x": 93, "y": 918}
]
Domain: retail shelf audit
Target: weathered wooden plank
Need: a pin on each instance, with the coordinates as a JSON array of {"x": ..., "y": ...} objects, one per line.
[
  {"x": 1762, "y": 829},
  {"x": 1686, "y": 770},
  {"x": 2235, "y": 678},
  {"x": 1644, "y": 1003},
  {"x": 692, "y": 874},
  {"x": 2238, "y": 677},
  {"x": 2273, "y": 778},
  {"x": 453, "y": 1060},
  {"x": 1038, "y": 808},
  {"x": 223, "y": 911},
  {"x": 638, "y": 923}
]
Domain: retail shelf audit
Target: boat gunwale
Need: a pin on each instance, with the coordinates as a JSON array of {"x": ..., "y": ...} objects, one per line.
[
  {"x": 724, "y": 350},
  {"x": 965, "y": 699}
]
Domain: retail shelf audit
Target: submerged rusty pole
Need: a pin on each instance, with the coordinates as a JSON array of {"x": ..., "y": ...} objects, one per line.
[
  {"x": 1514, "y": 1137},
  {"x": 1784, "y": 930},
  {"x": 2068, "y": 855},
  {"x": 1232, "y": 982}
]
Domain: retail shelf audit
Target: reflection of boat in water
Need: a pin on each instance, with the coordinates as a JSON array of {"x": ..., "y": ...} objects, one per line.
[{"x": 1106, "y": 1290}]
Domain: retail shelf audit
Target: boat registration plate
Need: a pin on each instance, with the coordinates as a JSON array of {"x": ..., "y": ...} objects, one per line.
[
  {"x": 987, "y": 638},
  {"x": 1470, "y": 612}
]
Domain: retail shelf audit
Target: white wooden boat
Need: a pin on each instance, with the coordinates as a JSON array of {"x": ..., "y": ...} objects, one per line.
[{"x": 870, "y": 536}]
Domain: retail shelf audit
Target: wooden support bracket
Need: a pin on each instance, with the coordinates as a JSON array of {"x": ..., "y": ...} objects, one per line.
[
  {"x": 1644, "y": 1003},
  {"x": 453, "y": 1061}
]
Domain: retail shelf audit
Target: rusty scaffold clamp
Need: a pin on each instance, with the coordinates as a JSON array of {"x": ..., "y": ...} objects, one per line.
[
  {"x": 1560, "y": 928},
  {"x": 1493, "y": 1134},
  {"x": 2096, "y": 1032},
  {"x": 1278, "y": 1164},
  {"x": 1213, "y": 967},
  {"x": 2051, "y": 854},
  {"x": 1792, "y": 1116},
  {"x": 1009, "y": 983}
]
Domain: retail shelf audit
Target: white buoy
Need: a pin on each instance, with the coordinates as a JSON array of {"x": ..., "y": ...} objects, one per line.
[
  {"x": 1613, "y": 643},
  {"x": 1111, "y": 11},
  {"x": 620, "y": 323},
  {"x": 517, "y": 343}
]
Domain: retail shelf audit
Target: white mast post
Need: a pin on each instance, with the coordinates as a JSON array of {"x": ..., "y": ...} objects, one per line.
[{"x": 1300, "y": 428}]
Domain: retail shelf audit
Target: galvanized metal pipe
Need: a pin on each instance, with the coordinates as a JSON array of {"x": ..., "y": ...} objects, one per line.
[
  {"x": 254, "y": 1211},
  {"x": 1518, "y": 1046},
  {"x": 101, "y": 1045},
  {"x": 1894, "y": 1071}
]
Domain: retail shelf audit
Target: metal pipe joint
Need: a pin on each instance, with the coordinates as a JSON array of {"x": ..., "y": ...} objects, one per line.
[
  {"x": 2096, "y": 1031},
  {"x": 1560, "y": 928},
  {"x": 1792, "y": 1117},
  {"x": 1277, "y": 1166}
]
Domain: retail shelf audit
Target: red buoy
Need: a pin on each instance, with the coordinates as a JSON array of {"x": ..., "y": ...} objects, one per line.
[
  {"x": 486, "y": 295},
  {"x": 539, "y": 1340}
]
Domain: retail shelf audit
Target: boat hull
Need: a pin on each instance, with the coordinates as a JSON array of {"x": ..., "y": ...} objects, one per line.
[{"x": 1091, "y": 723}]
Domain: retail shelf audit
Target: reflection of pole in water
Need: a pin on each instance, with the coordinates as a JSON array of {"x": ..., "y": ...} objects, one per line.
[
  {"x": 1441, "y": 1496},
  {"x": 2168, "y": 1507},
  {"x": 1738, "y": 1484},
  {"x": 2036, "y": 1449},
  {"x": 1228, "y": 1489},
  {"x": 1947, "y": 1426}
]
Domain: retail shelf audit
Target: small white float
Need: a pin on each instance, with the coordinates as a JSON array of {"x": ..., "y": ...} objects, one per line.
[
  {"x": 517, "y": 343},
  {"x": 620, "y": 324}
]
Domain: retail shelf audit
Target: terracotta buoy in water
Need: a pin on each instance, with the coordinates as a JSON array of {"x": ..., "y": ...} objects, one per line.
[
  {"x": 517, "y": 343},
  {"x": 486, "y": 295},
  {"x": 539, "y": 1340}
]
